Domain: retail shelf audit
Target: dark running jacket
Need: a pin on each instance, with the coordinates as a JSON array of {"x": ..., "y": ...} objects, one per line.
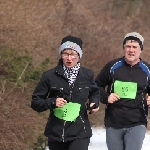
[
  {"x": 124, "y": 112},
  {"x": 50, "y": 87}
]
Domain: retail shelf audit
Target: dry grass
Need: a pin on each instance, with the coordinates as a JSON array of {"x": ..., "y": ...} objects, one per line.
[{"x": 19, "y": 124}]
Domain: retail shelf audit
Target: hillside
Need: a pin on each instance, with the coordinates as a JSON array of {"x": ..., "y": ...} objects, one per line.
[{"x": 38, "y": 27}]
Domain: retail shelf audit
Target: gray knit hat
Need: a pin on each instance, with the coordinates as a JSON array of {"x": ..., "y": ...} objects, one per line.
[
  {"x": 71, "y": 42},
  {"x": 134, "y": 36}
]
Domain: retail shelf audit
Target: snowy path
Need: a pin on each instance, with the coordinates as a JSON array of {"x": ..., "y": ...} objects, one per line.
[{"x": 98, "y": 140}]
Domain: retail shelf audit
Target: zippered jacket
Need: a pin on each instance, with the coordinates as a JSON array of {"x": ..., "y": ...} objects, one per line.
[
  {"x": 125, "y": 112},
  {"x": 53, "y": 84}
]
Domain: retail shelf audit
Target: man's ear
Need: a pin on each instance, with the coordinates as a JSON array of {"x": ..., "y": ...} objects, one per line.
[{"x": 140, "y": 51}]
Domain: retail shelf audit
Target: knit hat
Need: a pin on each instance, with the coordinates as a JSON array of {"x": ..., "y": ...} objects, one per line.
[
  {"x": 71, "y": 42},
  {"x": 134, "y": 36}
]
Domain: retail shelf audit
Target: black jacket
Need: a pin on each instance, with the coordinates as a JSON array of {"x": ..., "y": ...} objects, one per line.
[
  {"x": 50, "y": 87},
  {"x": 124, "y": 112}
]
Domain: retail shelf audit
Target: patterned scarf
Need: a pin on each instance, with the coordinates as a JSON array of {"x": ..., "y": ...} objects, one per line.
[{"x": 71, "y": 73}]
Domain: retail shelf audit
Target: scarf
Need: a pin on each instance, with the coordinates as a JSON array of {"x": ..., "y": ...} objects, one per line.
[{"x": 71, "y": 73}]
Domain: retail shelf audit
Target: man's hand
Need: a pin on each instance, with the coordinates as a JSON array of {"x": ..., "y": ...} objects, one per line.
[
  {"x": 148, "y": 100},
  {"x": 113, "y": 97}
]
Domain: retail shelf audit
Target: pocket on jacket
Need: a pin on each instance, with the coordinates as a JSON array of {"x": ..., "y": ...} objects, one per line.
[
  {"x": 77, "y": 127},
  {"x": 54, "y": 126},
  {"x": 83, "y": 91}
]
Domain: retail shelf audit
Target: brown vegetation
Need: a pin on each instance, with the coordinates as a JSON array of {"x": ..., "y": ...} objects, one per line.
[
  {"x": 18, "y": 122},
  {"x": 38, "y": 27}
]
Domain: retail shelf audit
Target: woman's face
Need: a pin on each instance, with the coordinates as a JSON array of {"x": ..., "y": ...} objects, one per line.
[{"x": 69, "y": 57}]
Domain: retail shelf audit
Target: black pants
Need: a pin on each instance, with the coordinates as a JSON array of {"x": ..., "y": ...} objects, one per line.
[{"x": 78, "y": 144}]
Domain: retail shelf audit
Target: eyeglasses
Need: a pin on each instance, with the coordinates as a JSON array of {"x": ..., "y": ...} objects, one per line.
[{"x": 65, "y": 55}]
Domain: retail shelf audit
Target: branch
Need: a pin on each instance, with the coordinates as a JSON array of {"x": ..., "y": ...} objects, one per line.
[{"x": 22, "y": 73}]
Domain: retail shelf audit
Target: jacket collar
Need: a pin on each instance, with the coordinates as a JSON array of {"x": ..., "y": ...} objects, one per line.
[
  {"x": 59, "y": 67},
  {"x": 60, "y": 71},
  {"x": 123, "y": 61}
]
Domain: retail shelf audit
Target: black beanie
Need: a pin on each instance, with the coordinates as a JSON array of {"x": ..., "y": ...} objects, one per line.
[{"x": 73, "y": 39}]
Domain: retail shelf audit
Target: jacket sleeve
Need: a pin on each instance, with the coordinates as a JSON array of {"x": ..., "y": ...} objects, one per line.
[
  {"x": 40, "y": 101},
  {"x": 94, "y": 95},
  {"x": 102, "y": 80}
]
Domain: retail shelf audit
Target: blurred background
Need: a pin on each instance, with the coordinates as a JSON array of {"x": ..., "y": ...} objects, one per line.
[{"x": 30, "y": 36}]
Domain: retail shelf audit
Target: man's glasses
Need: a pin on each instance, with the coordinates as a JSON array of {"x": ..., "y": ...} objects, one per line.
[{"x": 72, "y": 55}]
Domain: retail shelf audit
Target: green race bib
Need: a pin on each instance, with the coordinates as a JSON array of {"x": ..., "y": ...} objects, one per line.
[
  {"x": 125, "y": 89},
  {"x": 69, "y": 112}
]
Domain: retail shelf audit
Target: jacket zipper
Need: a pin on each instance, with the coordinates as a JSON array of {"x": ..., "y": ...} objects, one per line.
[
  {"x": 130, "y": 74},
  {"x": 63, "y": 138},
  {"x": 83, "y": 123},
  {"x": 70, "y": 94},
  {"x": 63, "y": 134}
]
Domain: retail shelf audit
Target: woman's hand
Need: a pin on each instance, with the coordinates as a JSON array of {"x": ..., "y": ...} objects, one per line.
[
  {"x": 94, "y": 110},
  {"x": 60, "y": 102}
]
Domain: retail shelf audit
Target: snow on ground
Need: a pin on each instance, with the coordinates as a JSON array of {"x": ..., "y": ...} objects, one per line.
[{"x": 98, "y": 140}]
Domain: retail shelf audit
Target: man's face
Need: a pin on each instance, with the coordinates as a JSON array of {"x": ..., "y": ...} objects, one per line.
[
  {"x": 132, "y": 52},
  {"x": 70, "y": 58}
]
